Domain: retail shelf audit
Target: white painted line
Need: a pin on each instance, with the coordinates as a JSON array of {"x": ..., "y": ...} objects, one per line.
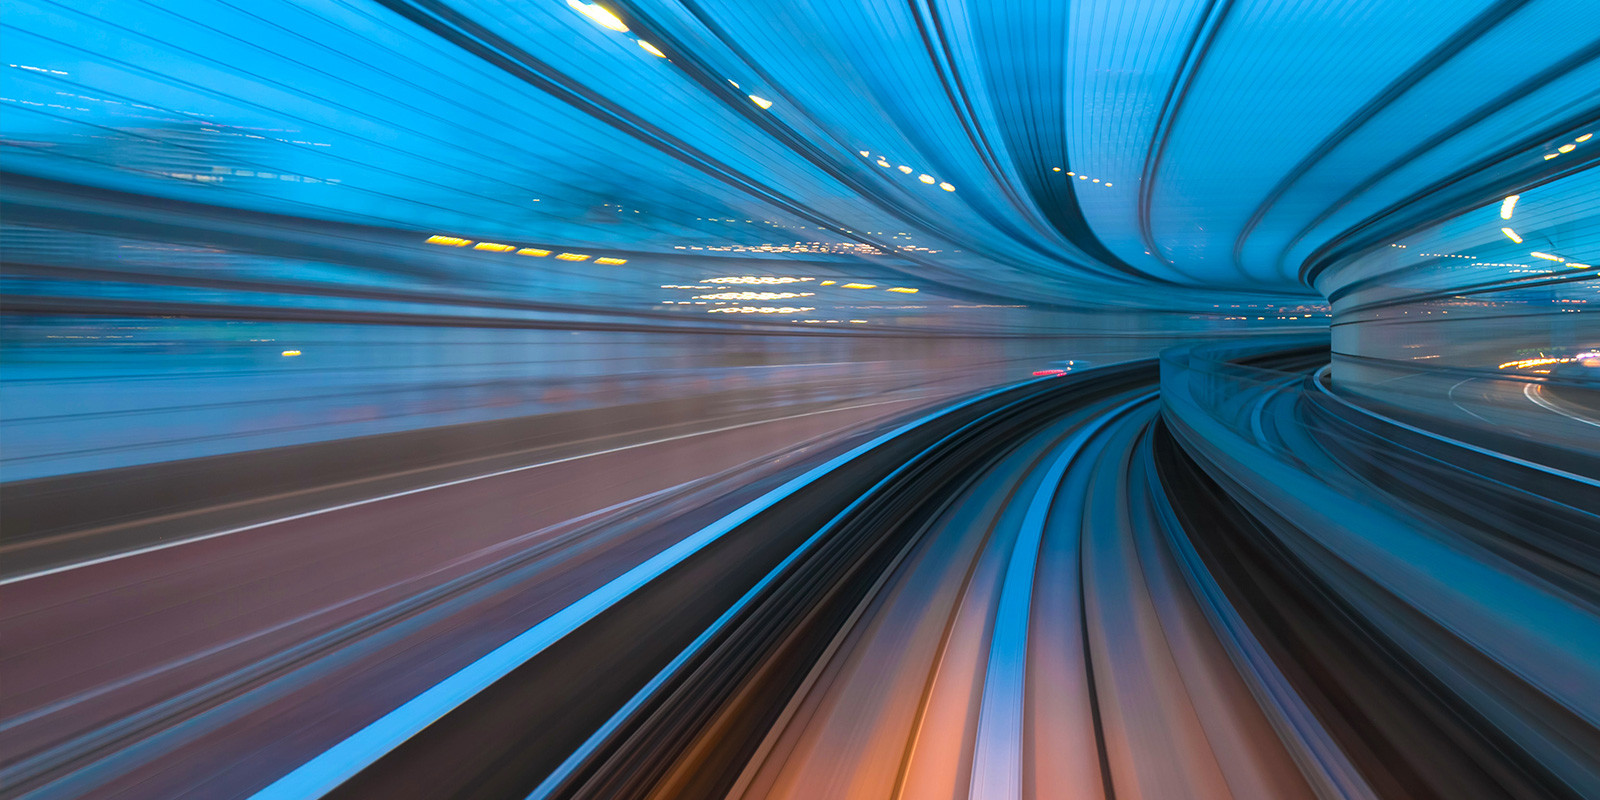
[
  {"x": 380, "y": 498},
  {"x": 1560, "y": 473},
  {"x": 1452, "y": 395},
  {"x": 339, "y": 763},
  {"x": 1535, "y": 392},
  {"x": 159, "y": 669}
]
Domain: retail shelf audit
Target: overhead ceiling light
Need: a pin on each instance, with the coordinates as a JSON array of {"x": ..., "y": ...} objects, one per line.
[
  {"x": 905, "y": 169},
  {"x": 761, "y": 101},
  {"x": 601, "y": 16},
  {"x": 1566, "y": 148},
  {"x": 1583, "y": 138},
  {"x": 1546, "y": 256},
  {"x": 652, "y": 49},
  {"x": 863, "y": 153},
  {"x": 1508, "y": 205},
  {"x": 1512, "y": 235},
  {"x": 926, "y": 178},
  {"x": 947, "y": 187}
]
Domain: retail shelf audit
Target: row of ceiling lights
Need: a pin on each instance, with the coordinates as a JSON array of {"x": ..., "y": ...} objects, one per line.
[
  {"x": 1072, "y": 174},
  {"x": 924, "y": 177},
  {"x": 536, "y": 252},
  {"x": 603, "y": 17},
  {"x": 1508, "y": 207}
]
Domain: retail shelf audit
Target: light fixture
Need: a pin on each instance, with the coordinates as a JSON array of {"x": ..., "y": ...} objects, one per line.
[
  {"x": 652, "y": 49},
  {"x": 761, "y": 101},
  {"x": 599, "y": 14},
  {"x": 925, "y": 178},
  {"x": 947, "y": 187},
  {"x": 1512, "y": 235},
  {"x": 1508, "y": 205}
]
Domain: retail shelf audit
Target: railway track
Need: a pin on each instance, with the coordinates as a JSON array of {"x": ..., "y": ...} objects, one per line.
[{"x": 1049, "y": 590}]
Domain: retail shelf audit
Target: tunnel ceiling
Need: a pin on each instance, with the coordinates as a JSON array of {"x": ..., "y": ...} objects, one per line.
[{"x": 1093, "y": 152}]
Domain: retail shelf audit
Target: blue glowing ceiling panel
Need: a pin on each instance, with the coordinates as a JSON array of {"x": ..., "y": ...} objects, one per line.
[{"x": 1154, "y": 153}]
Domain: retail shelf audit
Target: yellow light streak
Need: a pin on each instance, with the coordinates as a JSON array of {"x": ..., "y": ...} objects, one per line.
[{"x": 599, "y": 15}]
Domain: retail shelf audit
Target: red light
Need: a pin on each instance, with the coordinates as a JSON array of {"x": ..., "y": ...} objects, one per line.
[{"x": 1043, "y": 372}]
